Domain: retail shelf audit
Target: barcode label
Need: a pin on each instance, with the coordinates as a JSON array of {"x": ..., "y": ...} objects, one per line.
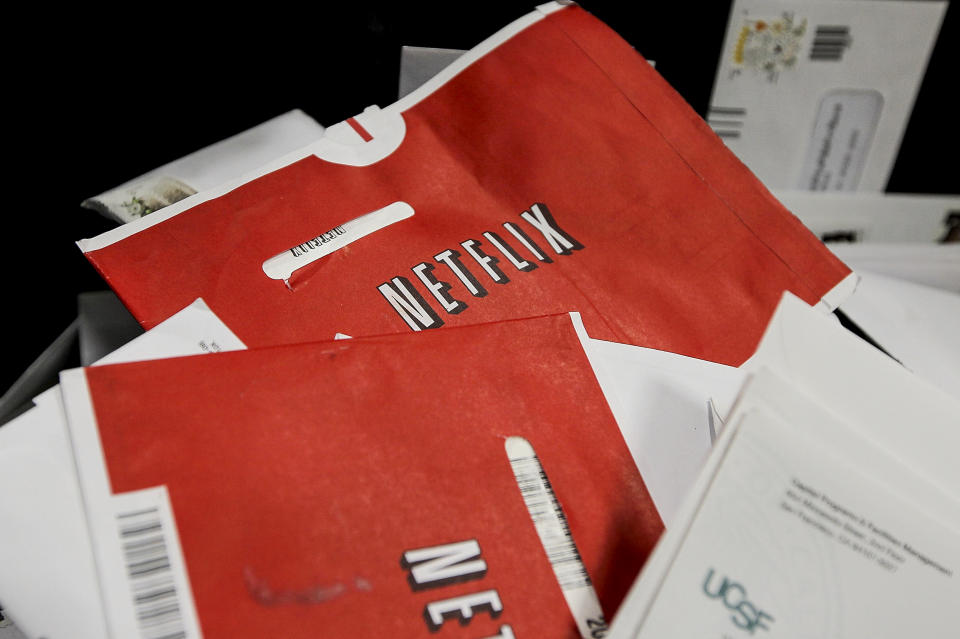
[
  {"x": 726, "y": 122},
  {"x": 555, "y": 537},
  {"x": 156, "y": 577},
  {"x": 829, "y": 43},
  {"x": 151, "y": 581}
]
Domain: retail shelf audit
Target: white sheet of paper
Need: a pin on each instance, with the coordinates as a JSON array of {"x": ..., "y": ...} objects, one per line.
[
  {"x": 48, "y": 581},
  {"x": 918, "y": 325},
  {"x": 660, "y": 401},
  {"x": 817, "y": 95}
]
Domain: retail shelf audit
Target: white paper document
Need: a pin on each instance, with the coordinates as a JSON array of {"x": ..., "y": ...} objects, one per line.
[
  {"x": 48, "y": 581},
  {"x": 816, "y": 95}
]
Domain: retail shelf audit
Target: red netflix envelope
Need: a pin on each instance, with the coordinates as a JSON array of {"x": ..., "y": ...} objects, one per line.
[
  {"x": 550, "y": 169},
  {"x": 398, "y": 486}
]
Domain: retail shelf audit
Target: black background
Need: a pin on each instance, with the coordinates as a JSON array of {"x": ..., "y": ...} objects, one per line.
[{"x": 95, "y": 100}]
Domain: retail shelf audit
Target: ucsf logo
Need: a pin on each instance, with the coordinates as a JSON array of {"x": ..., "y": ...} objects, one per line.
[{"x": 734, "y": 596}]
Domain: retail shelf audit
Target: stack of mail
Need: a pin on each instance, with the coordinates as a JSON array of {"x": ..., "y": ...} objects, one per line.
[{"x": 292, "y": 450}]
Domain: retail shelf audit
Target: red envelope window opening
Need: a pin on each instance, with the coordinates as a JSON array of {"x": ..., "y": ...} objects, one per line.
[{"x": 550, "y": 169}]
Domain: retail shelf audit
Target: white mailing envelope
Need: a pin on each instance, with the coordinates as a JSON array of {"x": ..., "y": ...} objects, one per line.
[
  {"x": 48, "y": 580},
  {"x": 816, "y": 95}
]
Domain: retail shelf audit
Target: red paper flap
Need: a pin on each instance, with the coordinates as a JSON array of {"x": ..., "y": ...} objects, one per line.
[{"x": 301, "y": 470}]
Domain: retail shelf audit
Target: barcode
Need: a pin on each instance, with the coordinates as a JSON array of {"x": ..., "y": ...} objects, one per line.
[
  {"x": 829, "y": 43},
  {"x": 555, "y": 538},
  {"x": 726, "y": 122},
  {"x": 147, "y": 558},
  {"x": 550, "y": 522}
]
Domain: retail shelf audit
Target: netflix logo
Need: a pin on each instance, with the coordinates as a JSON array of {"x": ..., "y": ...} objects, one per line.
[{"x": 540, "y": 238}]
